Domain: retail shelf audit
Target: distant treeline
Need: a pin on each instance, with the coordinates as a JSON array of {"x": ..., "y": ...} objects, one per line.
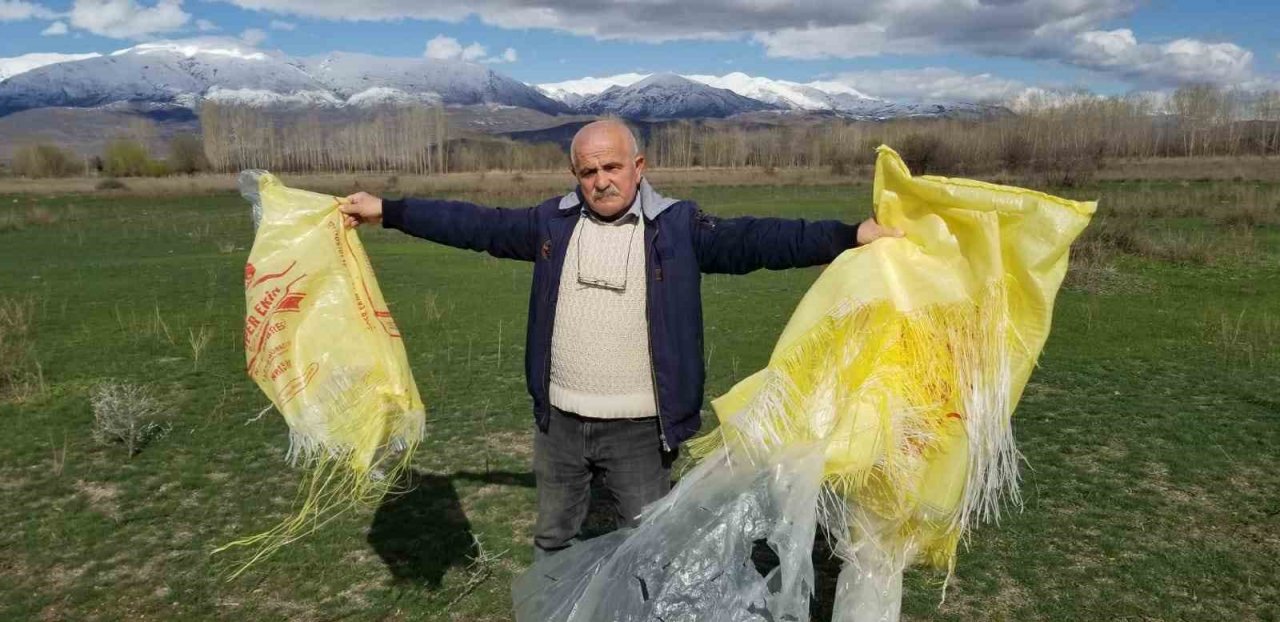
[
  {"x": 1064, "y": 137},
  {"x": 406, "y": 139},
  {"x": 1064, "y": 140},
  {"x": 126, "y": 156},
  {"x": 409, "y": 139}
]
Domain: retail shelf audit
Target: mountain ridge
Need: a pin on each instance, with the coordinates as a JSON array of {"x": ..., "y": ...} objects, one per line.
[{"x": 186, "y": 73}]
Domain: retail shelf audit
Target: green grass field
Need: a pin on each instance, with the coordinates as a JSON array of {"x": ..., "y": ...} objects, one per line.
[{"x": 1151, "y": 429}]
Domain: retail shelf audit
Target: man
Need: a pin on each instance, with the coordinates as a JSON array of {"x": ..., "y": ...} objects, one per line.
[{"x": 613, "y": 356}]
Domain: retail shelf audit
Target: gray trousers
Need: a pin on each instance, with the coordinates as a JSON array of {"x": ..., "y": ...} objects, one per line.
[{"x": 626, "y": 454}]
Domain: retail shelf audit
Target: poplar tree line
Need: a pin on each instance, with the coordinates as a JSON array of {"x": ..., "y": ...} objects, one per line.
[
  {"x": 1196, "y": 121},
  {"x": 411, "y": 139}
]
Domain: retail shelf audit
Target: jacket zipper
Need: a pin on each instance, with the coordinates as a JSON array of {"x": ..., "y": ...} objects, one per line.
[
  {"x": 653, "y": 374},
  {"x": 553, "y": 294}
]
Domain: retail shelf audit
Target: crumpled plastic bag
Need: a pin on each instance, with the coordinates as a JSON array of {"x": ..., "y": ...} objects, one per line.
[
  {"x": 690, "y": 558},
  {"x": 321, "y": 344},
  {"x": 897, "y": 375}
]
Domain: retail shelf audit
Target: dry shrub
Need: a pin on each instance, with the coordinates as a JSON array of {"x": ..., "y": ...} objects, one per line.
[
  {"x": 45, "y": 160},
  {"x": 1246, "y": 215},
  {"x": 128, "y": 414},
  {"x": 110, "y": 183},
  {"x": 1066, "y": 165},
  {"x": 842, "y": 165},
  {"x": 19, "y": 370},
  {"x": 124, "y": 157},
  {"x": 1180, "y": 247},
  {"x": 1240, "y": 243},
  {"x": 1092, "y": 266},
  {"x": 927, "y": 154},
  {"x": 10, "y": 222},
  {"x": 1248, "y": 337},
  {"x": 1015, "y": 152},
  {"x": 186, "y": 154},
  {"x": 1093, "y": 275},
  {"x": 40, "y": 215},
  {"x": 1106, "y": 238}
]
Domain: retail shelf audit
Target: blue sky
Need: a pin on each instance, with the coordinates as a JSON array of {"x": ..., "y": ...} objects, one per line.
[{"x": 896, "y": 48}]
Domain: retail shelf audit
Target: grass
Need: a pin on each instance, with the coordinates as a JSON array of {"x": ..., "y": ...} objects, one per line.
[
  {"x": 20, "y": 372},
  {"x": 525, "y": 184},
  {"x": 1151, "y": 429}
]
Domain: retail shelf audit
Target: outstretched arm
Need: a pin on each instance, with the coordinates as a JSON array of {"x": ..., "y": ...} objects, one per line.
[
  {"x": 741, "y": 245},
  {"x": 501, "y": 232}
]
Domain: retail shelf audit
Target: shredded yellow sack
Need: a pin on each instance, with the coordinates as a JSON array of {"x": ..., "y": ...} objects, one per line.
[
  {"x": 321, "y": 344},
  {"x": 884, "y": 415}
]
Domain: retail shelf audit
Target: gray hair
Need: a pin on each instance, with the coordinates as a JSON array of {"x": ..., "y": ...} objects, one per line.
[{"x": 635, "y": 142}]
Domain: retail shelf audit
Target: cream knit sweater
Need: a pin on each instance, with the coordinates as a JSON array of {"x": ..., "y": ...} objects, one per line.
[{"x": 600, "y": 364}]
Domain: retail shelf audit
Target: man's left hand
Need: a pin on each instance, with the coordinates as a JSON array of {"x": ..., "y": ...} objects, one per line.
[{"x": 870, "y": 231}]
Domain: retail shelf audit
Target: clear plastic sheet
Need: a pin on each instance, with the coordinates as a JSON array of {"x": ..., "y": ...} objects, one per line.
[{"x": 690, "y": 558}]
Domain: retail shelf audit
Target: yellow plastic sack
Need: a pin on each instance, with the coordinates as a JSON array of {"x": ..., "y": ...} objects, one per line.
[
  {"x": 321, "y": 344},
  {"x": 907, "y": 356},
  {"x": 883, "y": 416}
]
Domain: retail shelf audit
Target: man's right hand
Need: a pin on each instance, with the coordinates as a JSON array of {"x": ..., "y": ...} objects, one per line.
[{"x": 361, "y": 207}]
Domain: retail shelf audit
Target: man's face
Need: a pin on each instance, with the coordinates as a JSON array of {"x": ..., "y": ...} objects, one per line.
[{"x": 607, "y": 171}]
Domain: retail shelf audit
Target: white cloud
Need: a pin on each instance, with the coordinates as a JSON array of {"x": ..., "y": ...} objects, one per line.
[
  {"x": 204, "y": 25},
  {"x": 277, "y": 24},
  {"x": 1167, "y": 64},
  {"x": 443, "y": 48},
  {"x": 253, "y": 36},
  {"x": 1067, "y": 31},
  {"x": 18, "y": 10},
  {"x": 662, "y": 20},
  {"x": 1115, "y": 52},
  {"x": 22, "y": 64},
  {"x": 127, "y": 19},
  {"x": 473, "y": 52},
  {"x": 933, "y": 84},
  {"x": 55, "y": 29},
  {"x": 835, "y": 42},
  {"x": 448, "y": 48}
]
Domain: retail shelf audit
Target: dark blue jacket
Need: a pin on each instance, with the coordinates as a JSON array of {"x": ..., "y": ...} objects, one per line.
[{"x": 681, "y": 242}]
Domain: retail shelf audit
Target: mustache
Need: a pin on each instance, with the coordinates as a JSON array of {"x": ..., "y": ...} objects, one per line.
[{"x": 611, "y": 191}]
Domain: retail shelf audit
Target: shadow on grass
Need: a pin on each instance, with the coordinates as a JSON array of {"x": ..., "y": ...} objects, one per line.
[{"x": 422, "y": 532}]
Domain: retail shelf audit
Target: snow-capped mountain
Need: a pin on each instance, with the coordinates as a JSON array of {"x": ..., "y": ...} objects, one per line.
[
  {"x": 669, "y": 96},
  {"x": 454, "y": 82},
  {"x": 574, "y": 92},
  {"x": 780, "y": 93},
  {"x": 817, "y": 96},
  {"x": 21, "y": 64},
  {"x": 150, "y": 73},
  {"x": 184, "y": 73},
  {"x": 790, "y": 95}
]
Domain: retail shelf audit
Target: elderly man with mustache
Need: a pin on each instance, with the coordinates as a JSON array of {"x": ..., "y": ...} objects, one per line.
[{"x": 613, "y": 356}]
